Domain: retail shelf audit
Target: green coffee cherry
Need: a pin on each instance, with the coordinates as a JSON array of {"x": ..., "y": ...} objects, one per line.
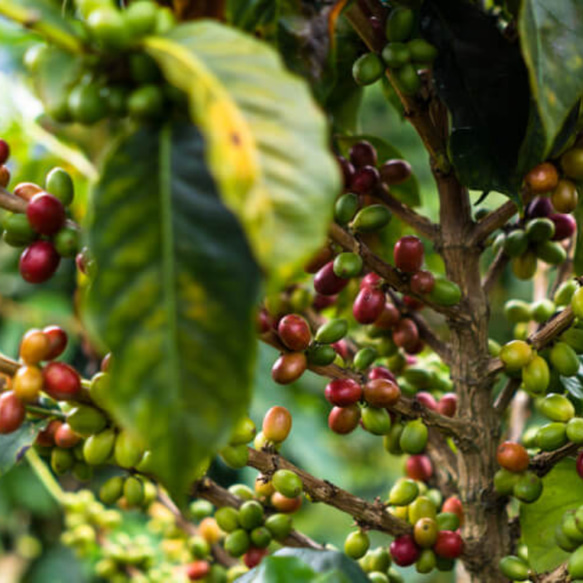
[
  {"x": 514, "y": 568},
  {"x": 552, "y": 436},
  {"x": 133, "y": 491},
  {"x": 419, "y": 377},
  {"x": 380, "y": 560},
  {"x": 287, "y": 483},
  {"x": 504, "y": 481},
  {"x": 199, "y": 547},
  {"x": 251, "y": 514},
  {"x": 445, "y": 292},
  {"x": 557, "y": 408},
  {"x": 17, "y": 230},
  {"x": 227, "y": 518},
  {"x": 421, "y": 507},
  {"x": 524, "y": 267},
  {"x": 364, "y": 358},
  {"x": 448, "y": 521},
  {"x": 356, "y": 544},
  {"x": 235, "y": 456},
  {"x": 98, "y": 448},
  {"x": 371, "y": 218},
  {"x": 540, "y": 230},
  {"x": 376, "y": 421},
  {"x": 368, "y": 69},
  {"x": 261, "y": 537},
  {"x": 516, "y": 243},
  {"x": 528, "y": 487},
  {"x": 237, "y": 543},
  {"x": 517, "y": 311},
  {"x": 575, "y": 565},
  {"x": 426, "y": 561},
  {"x": 563, "y": 541},
  {"x": 542, "y": 310},
  {"x": 422, "y": 51},
  {"x": 391, "y": 441},
  {"x": 570, "y": 528},
  {"x": 200, "y": 509},
  {"x": 347, "y": 265},
  {"x": 403, "y": 492},
  {"x": 400, "y": 24},
  {"x": 414, "y": 437},
  {"x": 60, "y": 184},
  {"x": 395, "y": 55},
  {"x": 332, "y": 331},
  {"x": 141, "y": 18},
  {"x": 494, "y": 347},
  {"x": 577, "y": 303},
  {"x": 575, "y": 430},
  {"x": 345, "y": 208},
  {"x": 128, "y": 450},
  {"x": 112, "y": 490},
  {"x": 574, "y": 338},
  {"x": 565, "y": 292},
  {"x": 62, "y": 460},
  {"x": 408, "y": 79},
  {"x": 86, "y": 420},
  {"x": 99, "y": 388},
  {"x": 146, "y": 102},
  {"x": 564, "y": 359},
  {"x": 280, "y": 526},
  {"x": 244, "y": 432},
  {"x": 242, "y": 491},
  {"x": 86, "y": 104},
  {"x": 108, "y": 28},
  {"x": 321, "y": 354},
  {"x": 67, "y": 241},
  {"x": 536, "y": 376},
  {"x": 551, "y": 252}
]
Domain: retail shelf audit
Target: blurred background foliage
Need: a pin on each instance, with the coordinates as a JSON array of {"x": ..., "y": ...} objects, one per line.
[{"x": 30, "y": 521}]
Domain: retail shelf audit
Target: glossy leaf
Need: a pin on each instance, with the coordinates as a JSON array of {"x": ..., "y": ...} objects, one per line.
[
  {"x": 173, "y": 298},
  {"x": 574, "y": 384},
  {"x": 279, "y": 570},
  {"x": 562, "y": 491},
  {"x": 551, "y": 38},
  {"x": 14, "y": 445},
  {"x": 267, "y": 143},
  {"x": 408, "y": 192},
  {"x": 482, "y": 79}
]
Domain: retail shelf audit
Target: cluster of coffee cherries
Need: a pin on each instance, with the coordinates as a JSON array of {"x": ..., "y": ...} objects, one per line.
[
  {"x": 569, "y": 537},
  {"x": 403, "y": 55},
  {"x": 116, "y": 77},
  {"x": 44, "y": 230},
  {"x": 436, "y": 541},
  {"x": 514, "y": 478}
]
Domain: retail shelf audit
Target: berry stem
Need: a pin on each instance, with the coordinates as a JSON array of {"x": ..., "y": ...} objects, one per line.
[{"x": 44, "y": 475}]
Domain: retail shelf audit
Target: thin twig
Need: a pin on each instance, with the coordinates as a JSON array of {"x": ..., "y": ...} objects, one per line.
[
  {"x": 493, "y": 221},
  {"x": 506, "y": 395},
  {"x": 542, "y": 463},
  {"x": 494, "y": 272}
]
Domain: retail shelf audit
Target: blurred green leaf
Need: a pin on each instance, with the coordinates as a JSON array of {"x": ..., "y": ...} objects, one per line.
[
  {"x": 327, "y": 561},
  {"x": 14, "y": 445},
  {"x": 551, "y": 38},
  {"x": 279, "y": 570},
  {"x": 267, "y": 142},
  {"x": 574, "y": 385},
  {"x": 562, "y": 491},
  {"x": 58, "y": 565},
  {"x": 173, "y": 298}
]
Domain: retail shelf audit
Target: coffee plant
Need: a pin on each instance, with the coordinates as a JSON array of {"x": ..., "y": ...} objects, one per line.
[{"x": 236, "y": 212}]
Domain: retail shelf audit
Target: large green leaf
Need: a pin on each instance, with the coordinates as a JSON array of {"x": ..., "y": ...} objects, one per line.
[
  {"x": 408, "y": 192},
  {"x": 14, "y": 445},
  {"x": 267, "y": 141},
  {"x": 538, "y": 521},
  {"x": 172, "y": 299},
  {"x": 551, "y": 38}
]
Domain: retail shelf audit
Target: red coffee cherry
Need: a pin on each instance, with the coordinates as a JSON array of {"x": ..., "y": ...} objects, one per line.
[
  {"x": 412, "y": 303},
  {"x": 447, "y": 404},
  {"x": 512, "y": 456},
  {"x": 427, "y": 400},
  {"x": 395, "y": 172},
  {"x": 197, "y": 570},
  {"x": 365, "y": 179},
  {"x": 341, "y": 348},
  {"x": 45, "y": 213},
  {"x": 408, "y": 254},
  {"x": 419, "y": 467},
  {"x": 294, "y": 332},
  {"x": 565, "y": 226},
  {"x": 368, "y": 305},
  {"x": 363, "y": 154},
  {"x": 46, "y": 437},
  {"x": 12, "y": 412},
  {"x": 65, "y": 437},
  {"x": 380, "y": 372},
  {"x": 4, "y": 176},
  {"x": 62, "y": 382},
  {"x": 453, "y": 504},
  {"x": 38, "y": 262},
  {"x": 381, "y": 393},
  {"x": 289, "y": 368},
  {"x": 422, "y": 282},
  {"x": 406, "y": 334},
  {"x": 389, "y": 317},
  {"x": 371, "y": 280},
  {"x": 286, "y": 505},
  {"x": 404, "y": 550},
  {"x": 4, "y": 151},
  {"x": 542, "y": 178},
  {"x": 449, "y": 545},
  {"x": 343, "y": 420},
  {"x": 322, "y": 302},
  {"x": 277, "y": 424},
  {"x": 263, "y": 321},
  {"x": 347, "y": 170},
  {"x": 57, "y": 341},
  {"x": 343, "y": 392},
  {"x": 327, "y": 283},
  {"x": 254, "y": 556}
]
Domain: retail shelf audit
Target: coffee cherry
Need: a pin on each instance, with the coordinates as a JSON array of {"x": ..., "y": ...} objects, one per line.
[
  {"x": 343, "y": 392},
  {"x": 107, "y": 26},
  {"x": 368, "y": 305},
  {"x": 347, "y": 265},
  {"x": 447, "y": 405},
  {"x": 146, "y": 102},
  {"x": 565, "y": 197},
  {"x": 27, "y": 383},
  {"x": 557, "y": 408},
  {"x": 289, "y": 368},
  {"x": 4, "y": 151},
  {"x": 57, "y": 341},
  {"x": 332, "y": 331},
  {"x": 277, "y": 424},
  {"x": 280, "y": 526},
  {"x": 345, "y": 208},
  {"x": 67, "y": 241},
  {"x": 414, "y": 437},
  {"x": 540, "y": 230},
  {"x": 572, "y": 163},
  {"x": 327, "y": 283},
  {"x": 395, "y": 172},
  {"x": 426, "y": 399},
  {"x": 381, "y": 393},
  {"x": 565, "y": 226},
  {"x": 86, "y": 420},
  {"x": 449, "y": 545},
  {"x": 65, "y": 437},
  {"x": 536, "y": 376},
  {"x": 347, "y": 170},
  {"x": 575, "y": 565},
  {"x": 575, "y": 430},
  {"x": 579, "y": 464},
  {"x": 551, "y": 252},
  {"x": 425, "y": 532},
  {"x": 404, "y": 550},
  {"x": 542, "y": 178},
  {"x": 356, "y": 544},
  {"x": 551, "y": 436},
  {"x": 86, "y": 104},
  {"x": 61, "y": 381},
  {"x": 400, "y": 23},
  {"x": 39, "y": 262},
  {"x": 542, "y": 310},
  {"x": 389, "y": 317},
  {"x": 517, "y": 311},
  {"x": 396, "y": 55},
  {"x": 516, "y": 354},
  {"x": 403, "y": 492},
  {"x": 284, "y": 504},
  {"x": 371, "y": 218},
  {"x": 321, "y": 354},
  {"x": 445, "y": 292},
  {"x": 365, "y": 180},
  {"x": 422, "y": 282},
  {"x": 287, "y": 483},
  {"x": 376, "y": 421},
  {"x": 368, "y": 69},
  {"x": 344, "y": 420},
  {"x": 133, "y": 491},
  {"x": 17, "y": 230},
  {"x": 235, "y": 456},
  {"x": 4, "y": 176},
  {"x": 197, "y": 569},
  {"x": 12, "y": 412},
  {"x": 62, "y": 460},
  {"x": 408, "y": 254},
  {"x": 363, "y": 153},
  {"x": 528, "y": 488},
  {"x": 294, "y": 332},
  {"x": 35, "y": 346},
  {"x": 406, "y": 334},
  {"x": 98, "y": 448},
  {"x": 504, "y": 481},
  {"x": 59, "y": 183},
  {"x": 512, "y": 456},
  {"x": 46, "y": 437},
  {"x": 364, "y": 358},
  {"x": 380, "y": 372},
  {"x": 251, "y": 514}
]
